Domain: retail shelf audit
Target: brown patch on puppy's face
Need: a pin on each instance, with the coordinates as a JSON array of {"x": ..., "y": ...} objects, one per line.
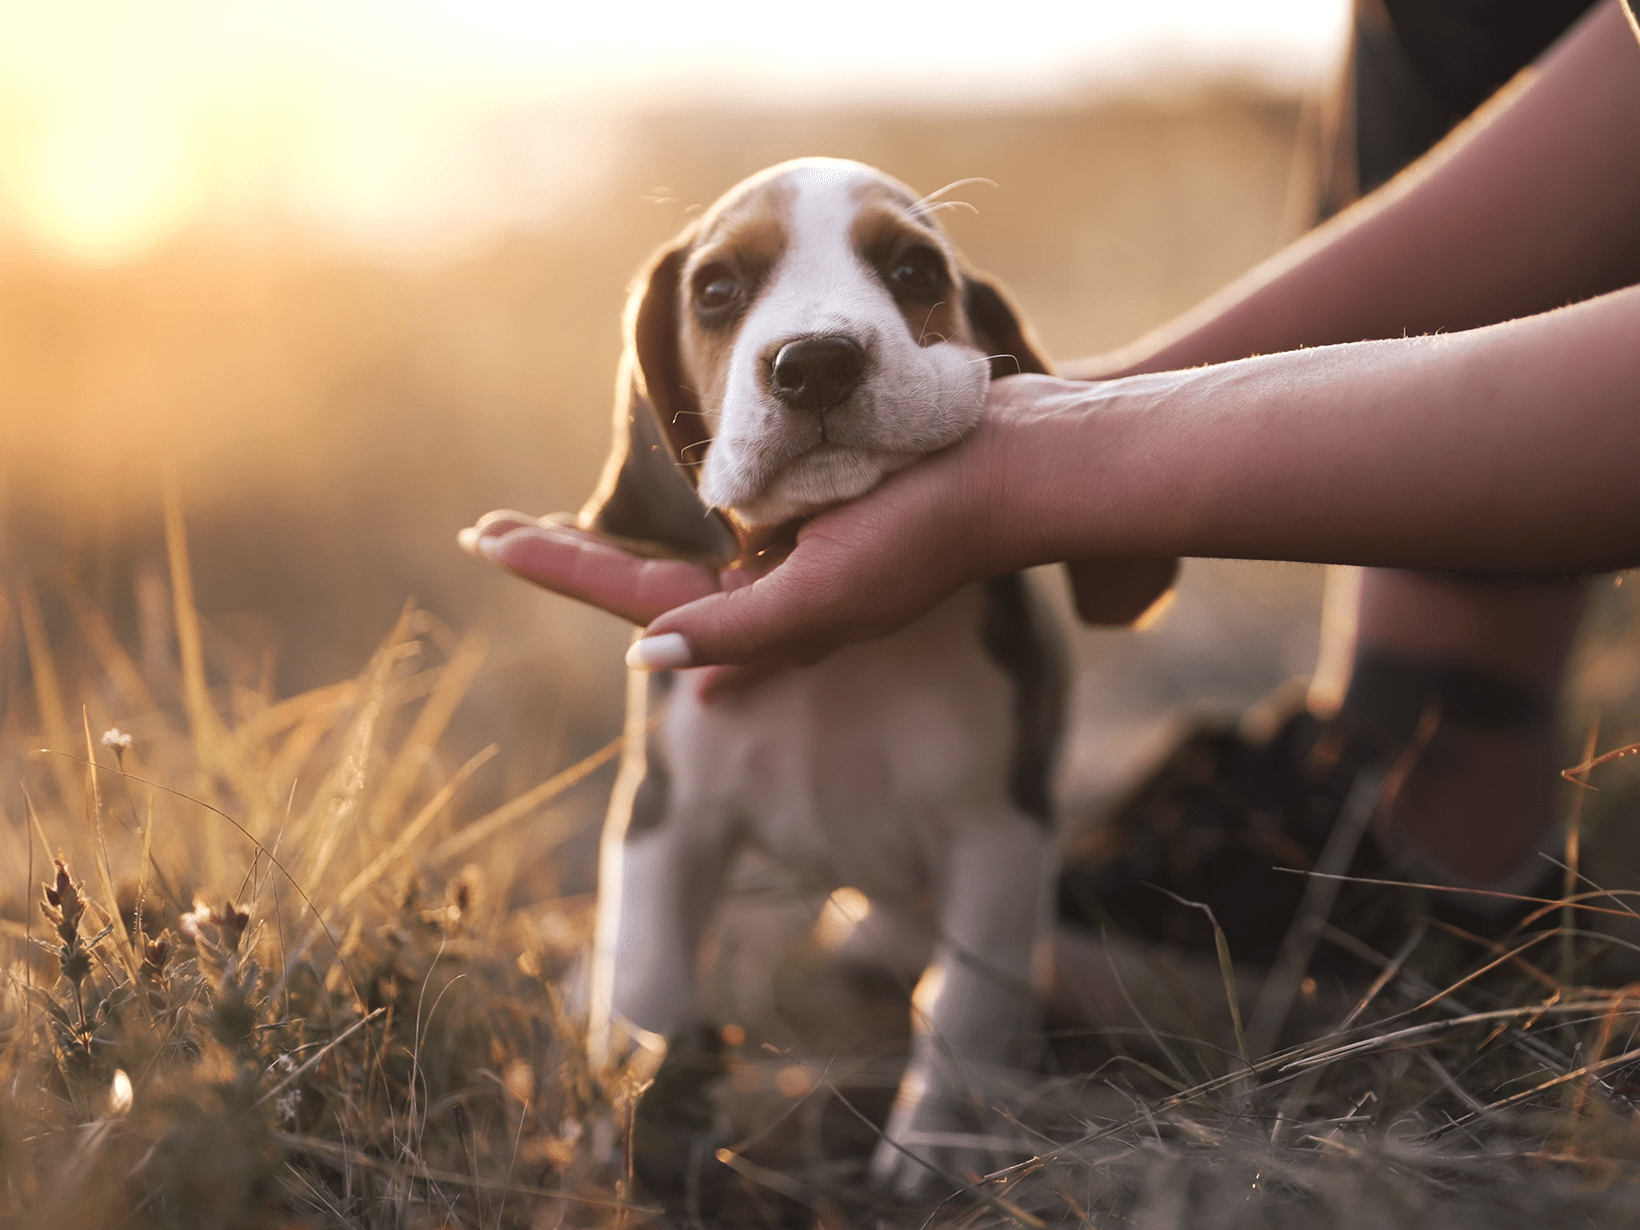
[
  {"x": 738, "y": 245},
  {"x": 914, "y": 263}
]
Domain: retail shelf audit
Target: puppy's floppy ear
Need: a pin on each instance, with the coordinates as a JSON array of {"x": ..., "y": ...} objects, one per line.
[
  {"x": 645, "y": 499},
  {"x": 999, "y": 332}
]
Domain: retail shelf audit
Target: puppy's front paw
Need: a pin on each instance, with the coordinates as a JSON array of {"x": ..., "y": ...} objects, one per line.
[{"x": 675, "y": 1130}]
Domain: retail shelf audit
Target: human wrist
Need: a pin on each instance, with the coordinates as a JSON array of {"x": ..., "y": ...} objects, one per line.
[
  {"x": 1009, "y": 460},
  {"x": 1074, "y": 470}
]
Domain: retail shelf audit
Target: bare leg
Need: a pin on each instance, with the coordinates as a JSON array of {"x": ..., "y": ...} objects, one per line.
[{"x": 1489, "y": 654}]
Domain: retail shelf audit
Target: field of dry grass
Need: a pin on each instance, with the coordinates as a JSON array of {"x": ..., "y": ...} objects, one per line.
[{"x": 310, "y": 955}]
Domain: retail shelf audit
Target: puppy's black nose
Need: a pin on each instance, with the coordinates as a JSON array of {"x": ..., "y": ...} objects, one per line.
[{"x": 816, "y": 373}]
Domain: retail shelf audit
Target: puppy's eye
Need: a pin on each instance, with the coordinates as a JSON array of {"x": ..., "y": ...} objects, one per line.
[
  {"x": 918, "y": 273},
  {"x": 716, "y": 290}
]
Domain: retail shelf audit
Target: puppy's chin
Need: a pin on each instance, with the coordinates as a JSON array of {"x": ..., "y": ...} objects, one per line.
[{"x": 815, "y": 481}]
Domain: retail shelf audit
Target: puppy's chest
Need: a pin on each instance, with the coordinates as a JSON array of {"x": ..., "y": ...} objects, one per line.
[{"x": 858, "y": 770}]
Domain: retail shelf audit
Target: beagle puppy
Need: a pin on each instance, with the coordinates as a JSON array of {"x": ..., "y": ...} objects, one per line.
[{"x": 809, "y": 334}]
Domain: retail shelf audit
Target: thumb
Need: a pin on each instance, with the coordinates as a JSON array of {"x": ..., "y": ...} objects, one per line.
[{"x": 798, "y": 613}]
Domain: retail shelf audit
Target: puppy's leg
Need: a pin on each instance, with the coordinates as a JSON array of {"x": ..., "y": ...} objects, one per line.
[
  {"x": 670, "y": 881},
  {"x": 665, "y": 884},
  {"x": 661, "y": 863},
  {"x": 971, "y": 1011}
]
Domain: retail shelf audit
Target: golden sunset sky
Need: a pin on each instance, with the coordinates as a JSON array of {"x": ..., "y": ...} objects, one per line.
[{"x": 414, "y": 123}]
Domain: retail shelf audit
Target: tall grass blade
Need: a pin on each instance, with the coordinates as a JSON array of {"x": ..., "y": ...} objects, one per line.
[
  {"x": 341, "y": 796},
  {"x": 48, "y": 689},
  {"x": 453, "y": 681}
]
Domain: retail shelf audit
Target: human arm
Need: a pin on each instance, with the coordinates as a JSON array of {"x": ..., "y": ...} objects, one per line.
[
  {"x": 1508, "y": 448},
  {"x": 1528, "y": 205}
]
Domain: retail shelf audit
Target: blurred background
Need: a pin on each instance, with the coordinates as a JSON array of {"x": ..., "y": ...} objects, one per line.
[{"x": 348, "y": 275}]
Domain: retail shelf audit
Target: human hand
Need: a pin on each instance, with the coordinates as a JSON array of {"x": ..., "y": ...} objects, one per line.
[
  {"x": 557, "y": 555},
  {"x": 874, "y": 565},
  {"x": 857, "y": 572}
]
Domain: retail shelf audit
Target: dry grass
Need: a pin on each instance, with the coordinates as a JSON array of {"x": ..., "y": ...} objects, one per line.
[
  {"x": 270, "y": 984},
  {"x": 267, "y": 986}
]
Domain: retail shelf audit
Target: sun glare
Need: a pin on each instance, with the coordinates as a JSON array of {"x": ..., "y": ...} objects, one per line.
[
  {"x": 124, "y": 123},
  {"x": 104, "y": 185}
]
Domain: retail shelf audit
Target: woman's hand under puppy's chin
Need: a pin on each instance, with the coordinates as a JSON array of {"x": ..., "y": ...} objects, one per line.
[
  {"x": 989, "y": 505},
  {"x": 859, "y": 571},
  {"x": 557, "y": 555}
]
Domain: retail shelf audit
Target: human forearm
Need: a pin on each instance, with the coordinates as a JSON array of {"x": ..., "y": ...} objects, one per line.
[
  {"x": 1525, "y": 208},
  {"x": 1509, "y": 448}
]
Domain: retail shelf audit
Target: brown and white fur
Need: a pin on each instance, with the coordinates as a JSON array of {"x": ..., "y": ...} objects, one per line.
[{"x": 913, "y": 768}]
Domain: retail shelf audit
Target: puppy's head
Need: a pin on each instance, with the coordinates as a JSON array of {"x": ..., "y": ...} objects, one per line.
[{"x": 811, "y": 334}]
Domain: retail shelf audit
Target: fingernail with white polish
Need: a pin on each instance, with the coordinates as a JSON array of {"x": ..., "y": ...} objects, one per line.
[
  {"x": 667, "y": 652},
  {"x": 467, "y": 539}
]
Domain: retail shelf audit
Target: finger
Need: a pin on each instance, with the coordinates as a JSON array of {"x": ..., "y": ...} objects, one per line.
[
  {"x": 502, "y": 521},
  {"x": 797, "y": 613},
  {"x": 580, "y": 565},
  {"x": 1112, "y": 593},
  {"x": 494, "y": 524}
]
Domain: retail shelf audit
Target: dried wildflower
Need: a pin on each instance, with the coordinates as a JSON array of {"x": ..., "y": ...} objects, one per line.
[
  {"x": 230, "y": 921},
  {"x": 117, "y": 741},
  {"x": 119, "y": 1093},
  {"x": 465, "y": 888},
  {"x": 194, "y": 919},
  {"x": 288, "y": 1105},
  {"x": 462, "y": 892},
  {"x": 155, "y": 953},
  {"x": 518, "y": 1079},
  {"x": 64, "y": 904}
]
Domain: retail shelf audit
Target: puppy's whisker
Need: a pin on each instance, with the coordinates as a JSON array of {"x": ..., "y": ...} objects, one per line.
[
  {"x": 927, "y": 204},
  {"x": 939, "y": 205},
  {"x": 924, "y": 332}
]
